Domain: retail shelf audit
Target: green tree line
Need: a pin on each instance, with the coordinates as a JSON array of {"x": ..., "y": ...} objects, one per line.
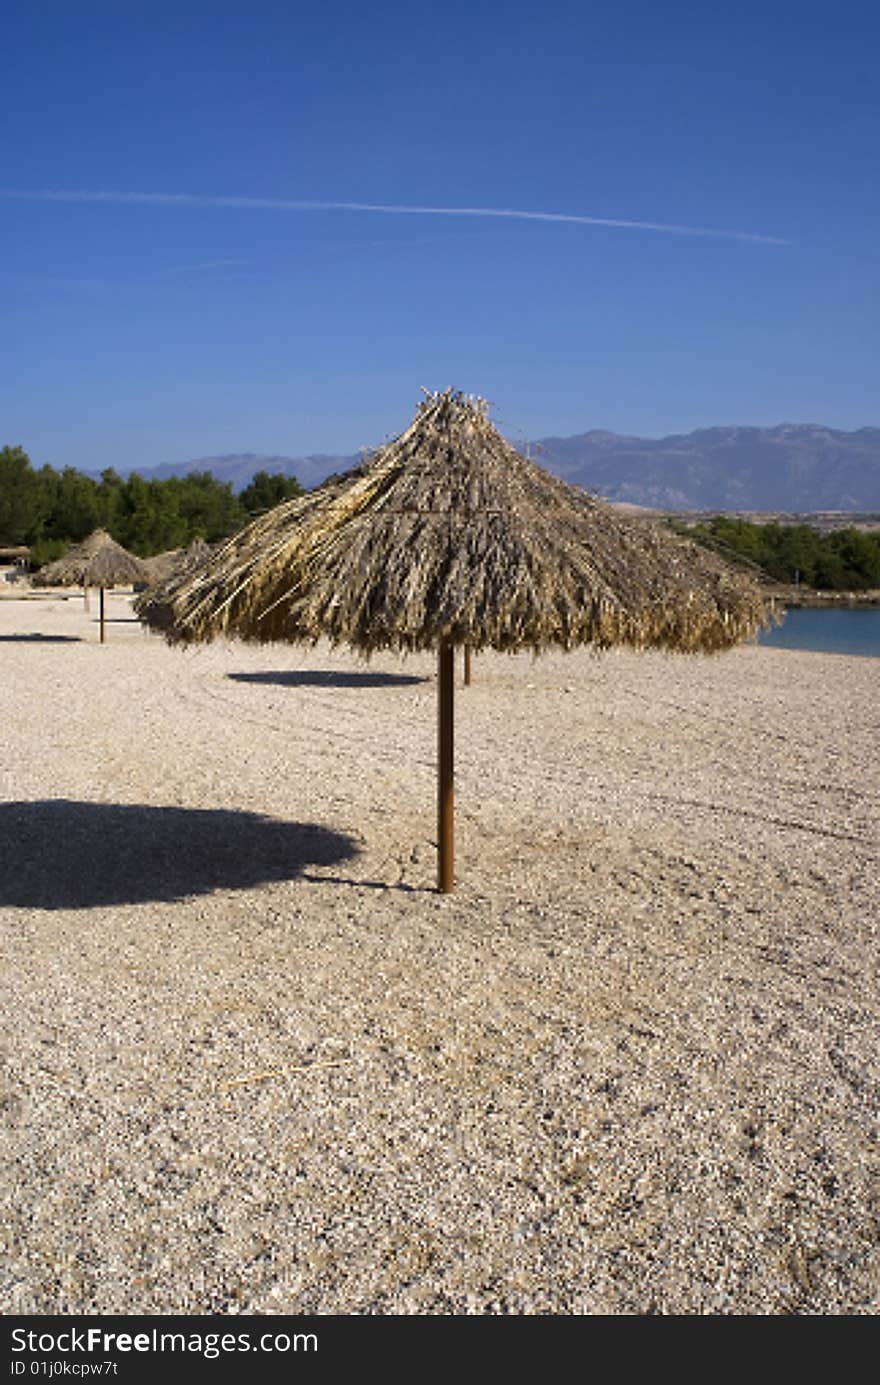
[
  {"x": 48, "y": 510},
  {"x": 840, "y": 560}
]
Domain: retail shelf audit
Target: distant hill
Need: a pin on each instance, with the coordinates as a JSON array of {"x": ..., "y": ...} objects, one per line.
[
  {"x": 241, "y": 467},
  {"x": 799, "y": 467},
  {"x": 793, "y": 467}
]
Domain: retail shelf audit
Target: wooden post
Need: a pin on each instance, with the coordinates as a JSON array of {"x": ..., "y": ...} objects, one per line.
[
  {"x": 467, "y": 665},
  {"x": 445, "y": 769},
  {"x": 85, "y": 598},
  {"x": 101, "y": 589}
]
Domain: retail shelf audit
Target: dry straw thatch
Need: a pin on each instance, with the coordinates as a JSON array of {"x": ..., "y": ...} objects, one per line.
[
  {"x": 169, "y": 567},
  {"x": 448, "y": 536},
  {"x": 161, "y": 566},
  {"x": 99, "y": 561}
]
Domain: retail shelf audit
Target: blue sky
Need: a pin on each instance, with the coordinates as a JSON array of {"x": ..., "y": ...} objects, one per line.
[{"x": 170, "y": 300}]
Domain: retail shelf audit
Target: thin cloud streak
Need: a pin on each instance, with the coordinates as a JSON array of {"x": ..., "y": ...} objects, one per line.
[
  {"x": 204, "y": 265},
  {"x": 183, "y": 199}
]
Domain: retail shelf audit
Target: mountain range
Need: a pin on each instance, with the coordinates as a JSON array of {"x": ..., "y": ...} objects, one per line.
[{"x": 794, "y": 467}]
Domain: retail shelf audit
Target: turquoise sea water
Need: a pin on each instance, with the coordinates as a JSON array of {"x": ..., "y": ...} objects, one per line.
[{"x": 854, "y": 631}]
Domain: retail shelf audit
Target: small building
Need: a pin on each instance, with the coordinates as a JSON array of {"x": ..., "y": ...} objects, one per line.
[{"x": 15, "y": 563}]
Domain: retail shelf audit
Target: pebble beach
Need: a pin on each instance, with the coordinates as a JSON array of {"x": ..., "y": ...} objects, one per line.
[{"x": 253, "y": 1063}]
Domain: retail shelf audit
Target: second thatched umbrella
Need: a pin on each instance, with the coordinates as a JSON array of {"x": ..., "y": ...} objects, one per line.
[
  {"x": 167, "y": 569},
  {"x": 445, "y": 537},
  {"x": 99, "y": 561}
]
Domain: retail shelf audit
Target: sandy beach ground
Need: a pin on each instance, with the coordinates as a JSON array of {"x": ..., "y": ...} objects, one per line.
[{"x": 255, "y": 1064}]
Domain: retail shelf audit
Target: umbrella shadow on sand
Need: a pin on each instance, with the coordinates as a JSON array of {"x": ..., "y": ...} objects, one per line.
[
  {"x": 40, "y": 639},
  {"x": 329, "y": 678},
  {"x": 60, "y": 854}
]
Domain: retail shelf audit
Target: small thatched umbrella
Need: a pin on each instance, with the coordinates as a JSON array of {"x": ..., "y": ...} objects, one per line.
[
  {"x": 167, "y": 571},
  {"x": 445, "y": 537},
  {"x": 58, "y": 573},
  {"x": 161, "y": 566},
  {"x": 99, "y": 561},
  {"x": 169, "y": 567}
]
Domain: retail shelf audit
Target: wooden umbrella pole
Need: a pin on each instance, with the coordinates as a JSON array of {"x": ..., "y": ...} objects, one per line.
[
  {"x": 445, "y": 768},
  {"x": 467, "y": 665},
  {"x": 101, "y": 589},
  {"x": 85, "y": 598}
]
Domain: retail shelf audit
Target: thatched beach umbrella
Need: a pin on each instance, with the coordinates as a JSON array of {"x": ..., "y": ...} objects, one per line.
[
  {"x": 445, "y": 537},
  {"x": 99, "y": 561},
  {"x": 62, "y": 572},
  {"x": 169, "y": 567},
  {"x": 161, "y": 566}
]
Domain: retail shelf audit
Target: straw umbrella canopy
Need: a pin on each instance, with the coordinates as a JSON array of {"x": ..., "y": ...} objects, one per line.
[
  {"x": 99, "y": 561},
  {"x": 170, "y": 566},
  {"x": 447, "y": 536},
  {"x": 161, "y": 566},
  {"x": 63, "y": 572}
]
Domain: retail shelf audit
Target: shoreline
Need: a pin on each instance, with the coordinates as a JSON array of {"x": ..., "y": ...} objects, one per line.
[{"x": 825, "y": 600}]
